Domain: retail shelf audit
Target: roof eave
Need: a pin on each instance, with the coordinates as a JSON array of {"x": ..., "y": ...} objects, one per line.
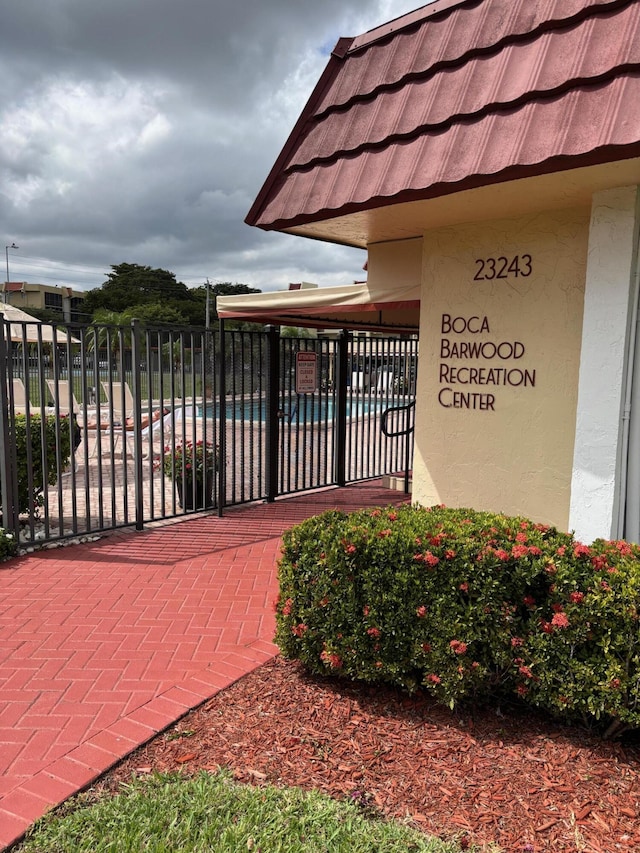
[{"x": 561, "y": 163}]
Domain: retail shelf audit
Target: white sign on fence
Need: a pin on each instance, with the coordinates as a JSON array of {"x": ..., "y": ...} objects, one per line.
[{"x": 306, "y": 372}]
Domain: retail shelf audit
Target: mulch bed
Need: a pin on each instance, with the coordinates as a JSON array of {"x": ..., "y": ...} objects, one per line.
[{"x": 506, "y": 775}]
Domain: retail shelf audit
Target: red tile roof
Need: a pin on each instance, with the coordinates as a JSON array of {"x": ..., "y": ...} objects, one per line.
[{"x": 460, "y": 94}]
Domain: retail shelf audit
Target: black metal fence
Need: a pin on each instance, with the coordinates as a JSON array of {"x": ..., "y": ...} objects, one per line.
[{"x": 106, "y": 427}]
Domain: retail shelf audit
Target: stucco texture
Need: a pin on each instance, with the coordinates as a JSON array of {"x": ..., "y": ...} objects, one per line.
[{"x": 500, "y": 337}]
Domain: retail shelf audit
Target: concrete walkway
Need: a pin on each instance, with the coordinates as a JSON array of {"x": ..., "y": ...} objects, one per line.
[{"x": 104, "y": 645}]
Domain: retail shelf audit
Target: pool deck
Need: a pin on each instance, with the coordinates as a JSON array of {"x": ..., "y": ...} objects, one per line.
[{"x": 105, "y": 644}]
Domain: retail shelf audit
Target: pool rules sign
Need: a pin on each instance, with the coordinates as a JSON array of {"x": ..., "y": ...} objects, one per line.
[{"x": 306, "y": 372}]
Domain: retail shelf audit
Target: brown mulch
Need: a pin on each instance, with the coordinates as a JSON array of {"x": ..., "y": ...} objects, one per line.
[{"x": 506, "y": 775}]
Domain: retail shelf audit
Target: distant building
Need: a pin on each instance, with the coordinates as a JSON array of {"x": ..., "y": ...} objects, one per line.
[{"x": 65, "y": 301}]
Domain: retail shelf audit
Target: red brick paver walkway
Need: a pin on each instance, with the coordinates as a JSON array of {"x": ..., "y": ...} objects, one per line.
[{"x": 104, "y": 645}]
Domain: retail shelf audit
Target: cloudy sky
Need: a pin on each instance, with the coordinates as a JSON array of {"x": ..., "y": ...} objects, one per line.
[{"x": 141, "y": 131}]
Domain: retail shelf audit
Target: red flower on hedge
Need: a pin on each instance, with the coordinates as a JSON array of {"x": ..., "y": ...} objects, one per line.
[
  {"x": 599, "y": 562},
  {"x": 333, "y": 660},
  {"x": 580, "y": 550},
  {"x": 299, "y": 630},
  {"x": 426, "y": 647},
  {"x": 560, "y": 620},
  {"x": 521, "y": 537},
  {"x": 449, "y": 554},
  {"x": 529, "y": 600},
  {"x": 458, "y": 647},
  {"x": 516, "y": 641},
  {"x": 519, "y": 551},
  {"x": 464, "y": 587},
  {"x": 286, "y": 610},
  {"x": 433, "y": 678},
  {"x": 503, "y": 555},
  {"x": 577, "y": 597},
  {"x": 384, "y": 533},
  {"x": 421, "y": 612},
  {"x": 350, "y": 549},
  {"x": 524, "y": 670},
  {"x": 373, "y": 632},
  {"x": 392, "y": 516},
  {"x": 431, "y": 559}
]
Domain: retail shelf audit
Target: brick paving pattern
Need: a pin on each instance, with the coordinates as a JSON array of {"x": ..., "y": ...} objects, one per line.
[{"x": 103, "y": 645}]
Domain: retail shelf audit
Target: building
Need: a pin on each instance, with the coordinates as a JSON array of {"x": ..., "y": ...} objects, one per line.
[
  {"x": 486, "y": 154},
  {"x": 64, "y": 301}
]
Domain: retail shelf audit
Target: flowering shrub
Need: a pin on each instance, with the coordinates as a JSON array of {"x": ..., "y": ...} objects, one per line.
[
  {"x": 466, "y": 605},
  {"x": 582, "y": 654},
  {"x": 191, "y": 460}
]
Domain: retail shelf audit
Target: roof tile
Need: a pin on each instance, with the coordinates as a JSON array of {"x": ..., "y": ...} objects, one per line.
[{"x": 456, "y": 95}]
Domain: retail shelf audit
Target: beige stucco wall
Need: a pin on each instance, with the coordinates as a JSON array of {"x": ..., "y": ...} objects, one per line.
[{"x": 509, "y": 448}]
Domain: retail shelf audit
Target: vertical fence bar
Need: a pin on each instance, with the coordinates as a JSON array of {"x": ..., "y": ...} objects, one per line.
[
  {"x": 272, "y": 420},
  {"x": 136, "y": 390},
  {"x": 9, "y": 503},
  {"x": 222, "y": 393},
  {"x": 340, "y": 438}
]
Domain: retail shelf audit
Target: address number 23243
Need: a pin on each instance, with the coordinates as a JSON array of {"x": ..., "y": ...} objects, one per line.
[{"x": 519, "y": 266}]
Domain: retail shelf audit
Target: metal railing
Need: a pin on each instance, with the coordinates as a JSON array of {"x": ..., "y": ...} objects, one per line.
[
  {"x": 102, "y": 434},
  {"x": 408, "y": 428}
]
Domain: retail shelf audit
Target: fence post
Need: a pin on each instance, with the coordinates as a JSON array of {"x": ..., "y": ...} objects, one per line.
[
  {"x": 9, "y": 513},
  {"x": 272, "y": 405},
  {"x": 137, "y": 423},
  {"x": 222, "y": 409},
  {"x": 340, "y": 441}
]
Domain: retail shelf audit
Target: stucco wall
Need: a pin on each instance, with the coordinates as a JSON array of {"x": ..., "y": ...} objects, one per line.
[
  {"x": 499, "y": 362},
  {"x": 600, "y": 451}
]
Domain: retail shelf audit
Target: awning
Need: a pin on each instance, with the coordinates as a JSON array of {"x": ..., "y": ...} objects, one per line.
[
  {"x": 25, "y": 328},
  {"x": 394, "y": 308}
]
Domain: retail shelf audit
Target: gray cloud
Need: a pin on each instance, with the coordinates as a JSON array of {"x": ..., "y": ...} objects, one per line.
[{"x": 142, "y": 132}]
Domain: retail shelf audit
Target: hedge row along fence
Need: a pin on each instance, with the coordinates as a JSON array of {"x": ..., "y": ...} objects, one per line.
[
  {"x": 467, "y": 605},
  {"x": 48, "y": 440}
]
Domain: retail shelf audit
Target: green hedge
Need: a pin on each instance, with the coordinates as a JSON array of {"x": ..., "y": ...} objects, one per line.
[
  {"x": 57, "y": 436},
  {"x": 467, "y": 605},
  {"x": 8, "y": 545}
]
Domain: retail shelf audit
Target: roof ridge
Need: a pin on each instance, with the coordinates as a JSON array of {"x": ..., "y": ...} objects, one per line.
[
  {"x": 443, "y": 8},
  {"x": 590, "y": 9}
]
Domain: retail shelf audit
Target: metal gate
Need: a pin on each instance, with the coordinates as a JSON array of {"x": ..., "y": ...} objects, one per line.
[{"x": 106, "y": 427}]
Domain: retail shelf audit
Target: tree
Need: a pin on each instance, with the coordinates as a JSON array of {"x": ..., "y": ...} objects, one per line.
[
  {"x": 134, "y": 289},
  {"x": 297, "y": 332},
  {"x": 220, "y": 288},
  {"x": 152, "y": 314},
  {"x": 131, "y": 286}
]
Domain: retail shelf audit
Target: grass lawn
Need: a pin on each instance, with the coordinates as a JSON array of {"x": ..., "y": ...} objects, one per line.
[{"x": 212, "y": 812}]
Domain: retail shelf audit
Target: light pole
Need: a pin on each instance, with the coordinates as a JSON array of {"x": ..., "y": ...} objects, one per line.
[{"x": 6, "y": 252}]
